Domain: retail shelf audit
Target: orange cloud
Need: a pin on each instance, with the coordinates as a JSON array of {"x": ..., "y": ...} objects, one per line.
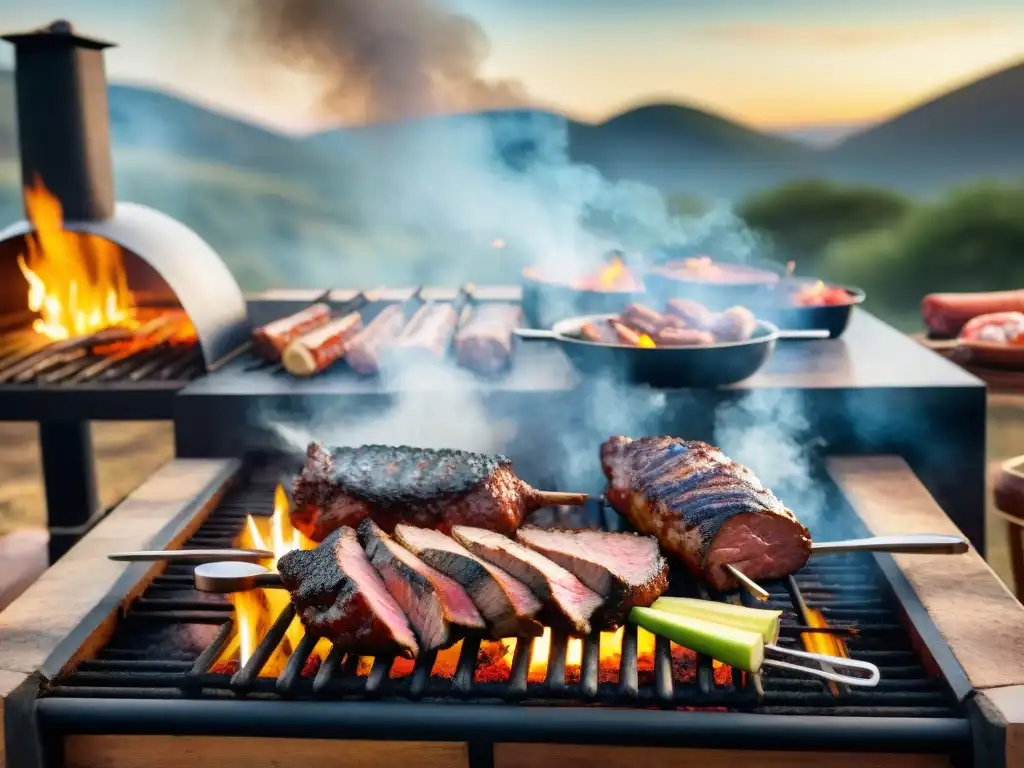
[{"x": 835, "y": 35}]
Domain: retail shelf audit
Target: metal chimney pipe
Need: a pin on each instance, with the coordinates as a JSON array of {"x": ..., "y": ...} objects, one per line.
[{"x": 64, "y": 119}]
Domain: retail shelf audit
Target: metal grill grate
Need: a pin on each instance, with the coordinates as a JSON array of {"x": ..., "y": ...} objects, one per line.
[
  {"x": 26, "y": 360},
  {"x": 167, "y": 645}
]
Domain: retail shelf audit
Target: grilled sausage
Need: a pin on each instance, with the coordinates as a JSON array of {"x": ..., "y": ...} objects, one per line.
[
  {"x": 683, "y": 337},
  {"x": 946, "y": 313},
  {"x": 430, "y": 331},
  {"x": 271, "y": 340},
  {"x": 625, "y": 334},
  {"x": 484, "y": 343},
  {"x": 599, "y": 332},
  {"x": 642, "y": 319},
  {"x": 363, "y": 354},
  {"x": 691, "y": 312},
  {"x": 317, "y": 351}
]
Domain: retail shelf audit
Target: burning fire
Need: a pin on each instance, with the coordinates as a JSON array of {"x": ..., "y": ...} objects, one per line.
[
  {"x": 827, "y": 644},
  {"x": 256, "y": 611},
  {"x": 76, "y": 282},
  {"x": 646, "y": 341},
  {"x": 614, "y": 276}
]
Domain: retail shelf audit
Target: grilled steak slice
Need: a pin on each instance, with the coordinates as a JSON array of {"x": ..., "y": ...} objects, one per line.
[
  {"x": 436, "y": 605},
  {"x": 569, "y": 602},
  {"x": 340, "y": 596},
  {"x": 626, "y": 570},
  {"x": 703, "y": 508},
  {"x": 419, "y": 486},
  {"x": 507, "y": 605}
]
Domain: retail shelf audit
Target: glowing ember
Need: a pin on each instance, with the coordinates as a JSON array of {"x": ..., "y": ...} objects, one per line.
[
  {"x": 76, "y": 282},
  {"x": 646, "y": 341}
]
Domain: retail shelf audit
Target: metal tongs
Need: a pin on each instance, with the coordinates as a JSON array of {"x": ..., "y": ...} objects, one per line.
[
  {"x": 193, "y": 555},
  {"x": 831, "y": 661}
]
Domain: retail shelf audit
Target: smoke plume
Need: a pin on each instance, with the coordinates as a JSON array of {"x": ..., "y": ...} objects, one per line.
[{"x": 382, "y": 60}]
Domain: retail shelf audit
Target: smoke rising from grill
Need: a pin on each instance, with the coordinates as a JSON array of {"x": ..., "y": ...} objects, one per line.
[{"x": 382, "y": 60}]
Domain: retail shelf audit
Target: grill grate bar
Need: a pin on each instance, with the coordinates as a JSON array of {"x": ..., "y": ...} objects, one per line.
[
  {"x": 243, "y": 678},
  {"x": 328, "y": 671},
  {"x": 556, "y": 661},
  {"x": 296, "y": 664},
  {"x": 462, "y": 683},
  {"x": 517, "y": 678},
  {"x": 629, "y": 684},
  {"x": 663, "y": 670},
  {"x": 421, "y": 674}
]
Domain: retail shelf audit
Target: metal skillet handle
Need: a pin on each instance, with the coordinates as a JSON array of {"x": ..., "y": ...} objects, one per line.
[
  {"x": 818, "y": 333},
  {"x": 534, "y": 334},
  {"x": 916, "y": 544}
]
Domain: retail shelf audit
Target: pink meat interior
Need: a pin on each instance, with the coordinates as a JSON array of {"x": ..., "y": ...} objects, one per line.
[
  {"x": 761, "y": 546},
  {"x": 459, "y": 607}
]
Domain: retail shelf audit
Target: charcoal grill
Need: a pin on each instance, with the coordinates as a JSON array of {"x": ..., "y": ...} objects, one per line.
[{"x": 136, "y": 673}]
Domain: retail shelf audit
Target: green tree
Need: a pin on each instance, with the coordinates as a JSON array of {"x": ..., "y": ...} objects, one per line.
[
  {"x": 802, "y": 218},
  {"x": 972, "y": 239}
]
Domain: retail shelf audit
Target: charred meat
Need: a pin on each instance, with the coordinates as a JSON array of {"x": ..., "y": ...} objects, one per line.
[
  {"x": 339, "y": 596},
  {"x": 626, "y": 570},
  {"x": 437, "y": 606},
  {"x": 507, "y": 605},
  {"x": 570, "y": 603},
  {"x": 420, "y": 486},
  {"x": 703, "y": 508}
]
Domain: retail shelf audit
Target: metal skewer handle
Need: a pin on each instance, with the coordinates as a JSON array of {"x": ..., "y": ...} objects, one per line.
[
  {"x": 832, "y": 661},
  {"x": 918, "y": 544},
  {"x": 755, "y": 590},
  {"x": 193, "y": 555}
]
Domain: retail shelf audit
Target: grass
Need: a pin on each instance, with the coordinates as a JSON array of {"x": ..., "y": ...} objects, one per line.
[{"x": 128, "y": 452}]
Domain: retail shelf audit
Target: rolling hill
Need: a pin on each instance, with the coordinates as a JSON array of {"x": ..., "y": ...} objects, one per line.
[{"x": 976, "y": 130}]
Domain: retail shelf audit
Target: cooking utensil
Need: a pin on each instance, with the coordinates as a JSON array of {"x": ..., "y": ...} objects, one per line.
[
  {"x": 831, "y": 661},
  {"x": 234, "y": 576},
  {"x": 834, "y": 318},
  {"x": 709, "y": 365},
  {"x": 915, "y": 544},
  {"x": 756, "y": 590},
  {"x": 546, "y": 302},
  {"x": 193, "y": 555}
]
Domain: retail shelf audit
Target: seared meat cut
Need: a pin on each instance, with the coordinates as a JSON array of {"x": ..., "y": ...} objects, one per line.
[
  {"x": 424, "y": 487},
  {"x": 570, "y": 603},
  {"x": 339, "y": 596},
  {"x": 507, "y": 605},
  {"x": 626, "y": 570},
  {"x": 436, "y": 605},
  {"x": 703, "y": 508}
]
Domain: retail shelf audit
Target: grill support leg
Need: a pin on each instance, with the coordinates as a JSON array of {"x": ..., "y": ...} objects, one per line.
[{"x": 69, "y": 478}]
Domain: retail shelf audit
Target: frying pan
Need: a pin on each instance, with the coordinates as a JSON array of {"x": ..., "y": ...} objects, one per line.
[{"x": 706, "y": 366}]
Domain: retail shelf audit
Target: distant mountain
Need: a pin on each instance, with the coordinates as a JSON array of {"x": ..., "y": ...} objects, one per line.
[{"x": 973, "y": 131}]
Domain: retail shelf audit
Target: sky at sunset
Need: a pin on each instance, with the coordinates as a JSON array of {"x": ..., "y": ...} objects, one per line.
[{"x": 775, "y": 64}]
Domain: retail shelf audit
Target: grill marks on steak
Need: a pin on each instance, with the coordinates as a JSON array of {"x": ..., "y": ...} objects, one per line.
[
  {"x": 704, "y": 508},
  {"x": 507, "y": 605},
  {"x": 569, "y": 602},
  {"x": 626, "y": 570},
  {"x": 437, "y": 606},
  {"x": 340, "y": 596},
  {"x": 397, "y": 484}
]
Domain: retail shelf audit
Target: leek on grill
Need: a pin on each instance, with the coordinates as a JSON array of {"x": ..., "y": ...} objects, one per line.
[
  {"x": 739, "y": 648},
  {"x": 764, "y": 622}
]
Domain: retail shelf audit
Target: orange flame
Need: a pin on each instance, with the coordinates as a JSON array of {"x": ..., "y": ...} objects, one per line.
[
  {"x": 257, "y": 610},
  {"x": 76, "y": 282},
  {"x": 646, "y": 341},
  {"x": 614, "y": 276},
  {"x": 821, "y": 642}
]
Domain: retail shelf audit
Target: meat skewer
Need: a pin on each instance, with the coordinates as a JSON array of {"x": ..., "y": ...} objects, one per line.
[
  {"x": 364, "y": 353},
  {"x": 570, "y": 602},
  {"x": 705, "y": 509},
  {"x": 340, "y": 596},
  {"x": 506, "y": 603},
  {"x": 271, "y": 340},
  {"x": 484, "y": 343},
  {"x": 317, "y": 351},
  {"x": 424, "y": 487}
]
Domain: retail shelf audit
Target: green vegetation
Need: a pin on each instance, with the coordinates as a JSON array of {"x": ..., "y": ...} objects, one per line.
[{"x": 897, "y": 249}]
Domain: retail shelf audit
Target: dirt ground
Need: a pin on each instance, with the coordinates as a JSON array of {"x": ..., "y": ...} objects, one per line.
[{"x": 129, "y": 451}]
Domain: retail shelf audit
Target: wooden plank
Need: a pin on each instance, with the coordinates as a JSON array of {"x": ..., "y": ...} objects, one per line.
[
  {"x": 9, "y": 683},
  {"x": 578, "y": 756},
  {"x": 79, "y": 585},
  {"x": 975, "y": 613},
  {"x": 25, "y": 556},
  {"x": 1009, "y": 704},
  {"x": 236, "y": 752}
]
